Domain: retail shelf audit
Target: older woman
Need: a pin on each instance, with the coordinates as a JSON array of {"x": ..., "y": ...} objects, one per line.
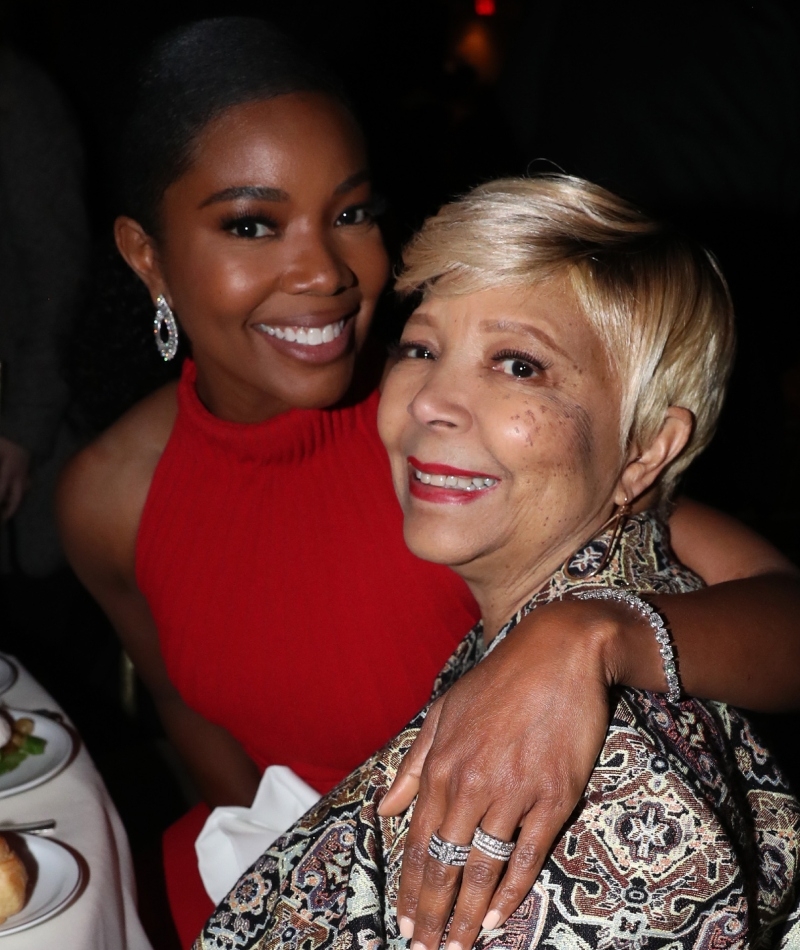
[{"x": 566, "y": 363}]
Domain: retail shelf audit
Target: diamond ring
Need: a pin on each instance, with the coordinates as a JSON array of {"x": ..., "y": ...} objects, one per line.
[
  {"x": 448, "y": 853},
  {"x": 494, "y": 847}
]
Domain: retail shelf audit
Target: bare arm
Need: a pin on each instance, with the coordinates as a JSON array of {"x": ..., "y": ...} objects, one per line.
[
  {"x": 738, "y": 640},
  {"x": 99, "y": 506},
  {"x": 517, "y": 738}
]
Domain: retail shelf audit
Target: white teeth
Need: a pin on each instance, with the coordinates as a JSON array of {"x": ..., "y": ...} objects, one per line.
[
  {"x": 305, "y": 336},
  {"x": 461, "y": 482}
]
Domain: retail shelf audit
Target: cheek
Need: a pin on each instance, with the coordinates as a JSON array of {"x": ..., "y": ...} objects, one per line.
[
  {"x": 372, "y": 267},
  {"x": 550, "y": 435},
  {"x": 391, "y": 414}
]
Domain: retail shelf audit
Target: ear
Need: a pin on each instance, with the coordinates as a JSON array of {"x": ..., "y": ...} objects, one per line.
[
  {"x": 140, "y": 252},
  {"x": 642, "y": 470}
]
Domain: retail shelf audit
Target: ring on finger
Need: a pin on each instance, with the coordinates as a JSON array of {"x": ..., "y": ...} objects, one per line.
[
  {"x": 493, "y": 847},
  {"x": 448, "y": 853}
]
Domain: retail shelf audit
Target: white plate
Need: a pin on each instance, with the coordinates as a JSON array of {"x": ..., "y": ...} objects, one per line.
[
  {"x": 36, "y": 769},
  {"x": 8, "y": 674},
  {"x": 56, "y": 878}
]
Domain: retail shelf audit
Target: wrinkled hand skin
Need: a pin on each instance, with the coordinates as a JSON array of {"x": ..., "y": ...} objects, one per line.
[
  {"x": 511, "y": 745},
  {"x": 14, "y": 468}
]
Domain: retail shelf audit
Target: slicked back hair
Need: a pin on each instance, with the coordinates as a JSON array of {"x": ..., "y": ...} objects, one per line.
[{"x": 189, "y": 77}]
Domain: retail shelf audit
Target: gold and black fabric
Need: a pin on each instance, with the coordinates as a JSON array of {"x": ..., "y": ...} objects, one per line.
[{"x": 687, "y": 837}]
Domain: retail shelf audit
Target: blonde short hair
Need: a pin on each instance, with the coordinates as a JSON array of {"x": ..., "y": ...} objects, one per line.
[{"x": 657, "y": 301}]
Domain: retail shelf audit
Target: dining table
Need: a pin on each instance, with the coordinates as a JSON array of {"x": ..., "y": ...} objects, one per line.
[{"x": 101, "y": 912}]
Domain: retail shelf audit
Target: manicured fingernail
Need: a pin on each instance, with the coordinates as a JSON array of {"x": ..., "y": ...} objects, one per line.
[
  {"x": 406, "y": 927},
  {"x": 418, "y": 945},
  {"x": 491, "y": 920},
  {"x": 453, "y": 945}
]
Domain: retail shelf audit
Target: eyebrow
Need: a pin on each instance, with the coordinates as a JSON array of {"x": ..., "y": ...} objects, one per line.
[
  {"x": 500, "y": 326},
  {"x": 265, "y": 193},
  {"x": 259, "y": 192},
  {"x": 352, "y": 182},
  {"x": 515, "y": 326}
]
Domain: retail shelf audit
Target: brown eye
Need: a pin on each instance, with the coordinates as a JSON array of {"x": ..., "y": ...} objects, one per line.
[
  {"x": 414, "y": 351},
  {"x": 356, "y": 215},
  {"x": 518, "y": 368},
  {"x": 250, "y": 228}
]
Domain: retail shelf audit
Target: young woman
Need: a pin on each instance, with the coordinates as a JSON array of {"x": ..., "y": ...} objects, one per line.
[{"x": 240, "y": 528}]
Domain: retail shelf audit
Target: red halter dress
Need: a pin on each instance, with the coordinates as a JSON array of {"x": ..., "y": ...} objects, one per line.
[{"x": 288, "y": 608}]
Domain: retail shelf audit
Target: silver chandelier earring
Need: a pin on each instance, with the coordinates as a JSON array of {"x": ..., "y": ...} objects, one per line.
[{"x": 165, "y": 318}]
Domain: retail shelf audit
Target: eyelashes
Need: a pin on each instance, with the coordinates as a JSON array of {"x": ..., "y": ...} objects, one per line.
[
  {"x": 249, "y": 226},
  {"x": 410, "y": 350},
  {"x": 253, "y": 226},
  {"x": 519, "y": 364}
]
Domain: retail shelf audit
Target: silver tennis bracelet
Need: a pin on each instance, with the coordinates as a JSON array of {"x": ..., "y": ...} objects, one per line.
[{"x": 656, "y": 621}]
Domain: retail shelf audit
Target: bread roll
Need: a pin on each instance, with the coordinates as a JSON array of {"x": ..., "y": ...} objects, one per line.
[{"x": 13, "y": 882}]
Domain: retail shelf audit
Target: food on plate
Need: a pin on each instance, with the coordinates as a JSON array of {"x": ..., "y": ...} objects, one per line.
[
  {"x": 13, "y": 882},
  {"x": 19, "y": 741},
  {"x": 6, "y": 730}
]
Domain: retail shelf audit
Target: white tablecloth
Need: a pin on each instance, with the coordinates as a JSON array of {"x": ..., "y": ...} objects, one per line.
[{"x": 104, "y": 916}]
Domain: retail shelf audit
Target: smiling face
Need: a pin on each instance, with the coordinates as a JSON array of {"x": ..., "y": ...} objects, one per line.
[
  {"x": 269, "y": 255},
  {"x": 501, "y": 419}
]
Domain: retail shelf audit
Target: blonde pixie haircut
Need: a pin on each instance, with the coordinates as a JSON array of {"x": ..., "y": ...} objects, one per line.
[{"x": 657, "y": 301}]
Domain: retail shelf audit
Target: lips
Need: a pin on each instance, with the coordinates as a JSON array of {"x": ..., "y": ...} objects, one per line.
[{"x": 443, "y": 483}]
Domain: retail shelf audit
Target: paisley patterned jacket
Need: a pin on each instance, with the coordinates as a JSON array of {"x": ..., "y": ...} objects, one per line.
[{"x": 688, "y": 835}]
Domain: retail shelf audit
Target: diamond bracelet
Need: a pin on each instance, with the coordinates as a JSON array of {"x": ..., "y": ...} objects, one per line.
[{"x": 656, "y": 621}]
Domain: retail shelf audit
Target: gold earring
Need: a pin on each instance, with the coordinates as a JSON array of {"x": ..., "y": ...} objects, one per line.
[{"x": 618, "y": 520}]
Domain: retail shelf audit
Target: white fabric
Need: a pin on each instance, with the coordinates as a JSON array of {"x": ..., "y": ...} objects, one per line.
[
  {"x": 233, "y": 837},
  {"x": 103, "y": 916}
]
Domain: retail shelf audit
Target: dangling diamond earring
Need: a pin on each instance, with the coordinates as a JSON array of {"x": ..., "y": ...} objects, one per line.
[{"x": 165, "y": 318}]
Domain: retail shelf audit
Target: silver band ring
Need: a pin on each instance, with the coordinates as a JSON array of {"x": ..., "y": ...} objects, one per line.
[
  {"x": 448, "y": 853},
  {"x": 493, "y": 847}
]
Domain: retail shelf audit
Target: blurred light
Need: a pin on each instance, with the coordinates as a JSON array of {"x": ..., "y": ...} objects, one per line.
[
  {"x": 485, "y": 7},
  {"x": 477, "y": 48}
]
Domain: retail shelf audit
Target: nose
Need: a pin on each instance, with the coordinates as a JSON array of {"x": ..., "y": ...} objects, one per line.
[
  {"x": 313, "y": 264},
  {"x": 442, "y": 403}
]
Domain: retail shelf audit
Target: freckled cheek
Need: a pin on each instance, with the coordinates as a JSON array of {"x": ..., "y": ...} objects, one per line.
[{"x": 535, "y": 431}]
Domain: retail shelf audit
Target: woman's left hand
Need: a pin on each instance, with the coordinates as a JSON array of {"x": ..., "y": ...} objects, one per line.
[{"x": 511, "y": 745}]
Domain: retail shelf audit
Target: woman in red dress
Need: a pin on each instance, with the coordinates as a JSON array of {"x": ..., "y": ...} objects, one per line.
[{"x": 240, "y": 529}]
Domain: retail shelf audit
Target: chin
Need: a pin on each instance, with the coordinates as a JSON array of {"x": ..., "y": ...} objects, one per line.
[
  {"x": 437, "y": 547},
  {"x": 327, "y": 391}
]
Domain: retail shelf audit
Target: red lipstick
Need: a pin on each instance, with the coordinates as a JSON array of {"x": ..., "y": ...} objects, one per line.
[
  {"x": 433, "y": 468},
  {"x": 444, "y": 494}
]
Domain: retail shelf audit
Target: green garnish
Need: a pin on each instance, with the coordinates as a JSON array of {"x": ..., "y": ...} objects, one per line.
[{"x": 19, "y": 748}]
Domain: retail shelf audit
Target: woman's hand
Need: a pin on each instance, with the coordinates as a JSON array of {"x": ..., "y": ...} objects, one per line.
[{"x": 511, "y": 745}]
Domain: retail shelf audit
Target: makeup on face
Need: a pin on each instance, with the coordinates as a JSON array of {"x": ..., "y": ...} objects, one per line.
[
  {"x": 501, "y": 420},
  {"x": 271, "y": 257}
]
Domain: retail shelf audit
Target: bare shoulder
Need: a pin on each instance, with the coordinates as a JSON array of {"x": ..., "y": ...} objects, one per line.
[{"x": 102, "y": 491}]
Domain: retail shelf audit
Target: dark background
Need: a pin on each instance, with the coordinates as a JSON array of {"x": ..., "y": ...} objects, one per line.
[{"x": 690, "y": 108}]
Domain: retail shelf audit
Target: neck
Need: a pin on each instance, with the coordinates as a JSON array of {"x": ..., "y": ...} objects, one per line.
[{"x": 502, "y": 588}]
